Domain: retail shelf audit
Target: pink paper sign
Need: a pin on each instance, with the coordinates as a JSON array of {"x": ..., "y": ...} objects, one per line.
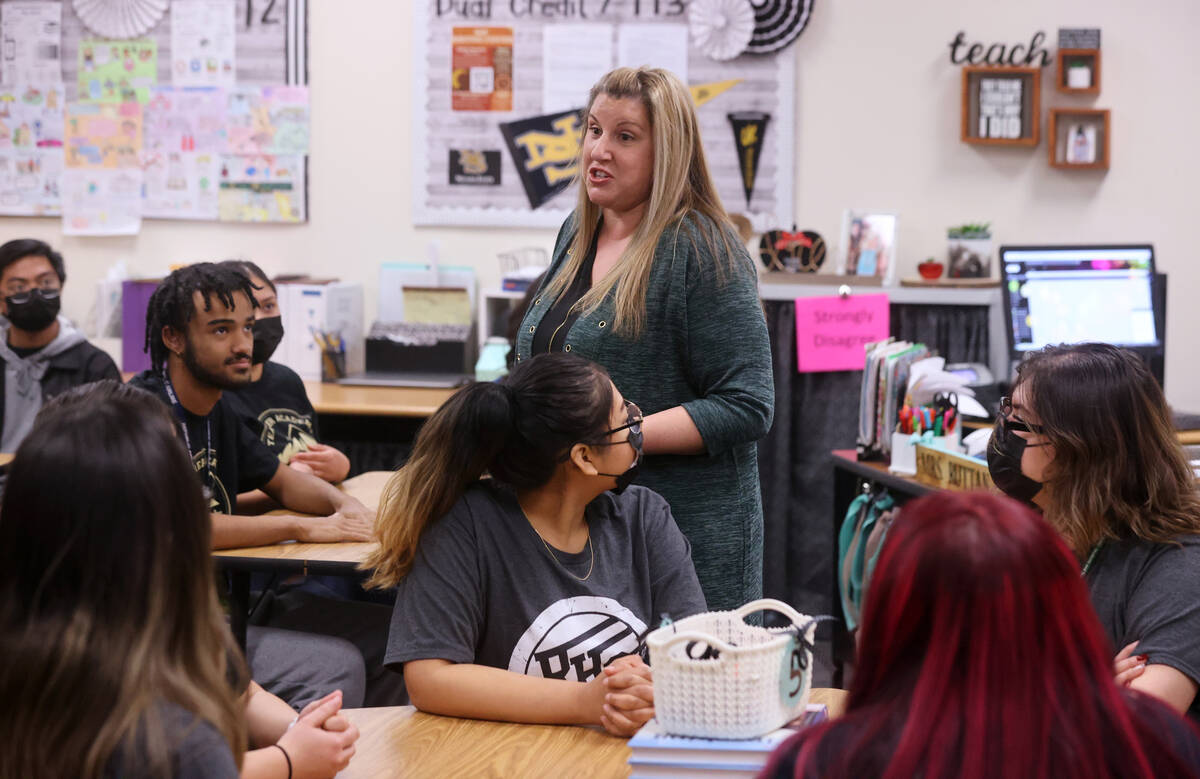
[{"x": 831, "y": 331}]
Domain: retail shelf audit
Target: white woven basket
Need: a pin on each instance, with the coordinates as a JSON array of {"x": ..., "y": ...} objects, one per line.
[{"x": 758, "y": 680}]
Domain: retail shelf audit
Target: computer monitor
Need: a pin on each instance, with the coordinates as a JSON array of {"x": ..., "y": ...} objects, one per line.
[{"x": 1071, "y": 294}]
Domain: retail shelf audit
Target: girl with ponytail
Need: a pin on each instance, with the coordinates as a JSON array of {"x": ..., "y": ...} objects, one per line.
[{"x": 526, "y": 572}]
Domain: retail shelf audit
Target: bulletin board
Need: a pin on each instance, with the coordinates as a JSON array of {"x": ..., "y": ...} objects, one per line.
[
  {"x": 497, "y": 86},
  {"x": 210, "y": 109}
]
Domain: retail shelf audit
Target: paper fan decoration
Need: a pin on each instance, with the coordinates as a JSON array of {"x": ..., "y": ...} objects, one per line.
[
  {"x": 777, "y": 23},
  {"x": 721, "y": 28},
  {"x": 120, "y": 19}
]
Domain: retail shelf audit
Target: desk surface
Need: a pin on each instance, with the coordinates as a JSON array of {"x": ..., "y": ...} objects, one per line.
[
  {"x": 315, "y": 558},
  {"x": 375, "y": 401},
  {"x": 878, "y": 472},
  {"x": 5, "y": 459},
  {"x": 400, "y": 741}
]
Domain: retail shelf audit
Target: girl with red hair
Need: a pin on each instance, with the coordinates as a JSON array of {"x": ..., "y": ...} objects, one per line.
[{"x": 980, "y": 656}]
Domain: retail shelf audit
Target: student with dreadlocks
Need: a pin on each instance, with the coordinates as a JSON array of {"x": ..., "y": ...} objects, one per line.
[{"x": 199, "y": 333}]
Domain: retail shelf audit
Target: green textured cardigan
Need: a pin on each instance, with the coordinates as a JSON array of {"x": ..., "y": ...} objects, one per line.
[{"x": 704, "y": 346}]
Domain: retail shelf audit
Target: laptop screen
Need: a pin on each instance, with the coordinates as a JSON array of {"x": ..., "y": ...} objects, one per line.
[{"x": 1072, "y": 294}]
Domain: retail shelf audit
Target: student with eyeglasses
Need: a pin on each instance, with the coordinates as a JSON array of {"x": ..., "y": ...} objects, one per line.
[
  {"x": 525, "y": 596},
  {"x": 1087, "y": 438},
  {"x": 43, "y": 353}
]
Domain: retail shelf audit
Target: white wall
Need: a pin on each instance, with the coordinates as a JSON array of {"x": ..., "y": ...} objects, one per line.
[{"x": 877, "y": 127}]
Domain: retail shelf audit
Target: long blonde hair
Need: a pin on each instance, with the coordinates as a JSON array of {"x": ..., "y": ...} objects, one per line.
[
  {"x": 108, "y": 609},
  {"x": 681, "y": 186},
  {"x": 1118, "y": 469}
]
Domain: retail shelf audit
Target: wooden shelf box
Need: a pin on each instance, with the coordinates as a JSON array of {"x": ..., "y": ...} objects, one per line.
[
  {"x": 1001, "y": 106},
  {"x": 1069, "y": 59},
  {"x": 1079, "y": 138}
]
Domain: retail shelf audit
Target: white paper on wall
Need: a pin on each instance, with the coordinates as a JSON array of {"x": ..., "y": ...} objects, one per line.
[
  {"x": 202, "y": 43},
  {"x": 31, "y": 43}
]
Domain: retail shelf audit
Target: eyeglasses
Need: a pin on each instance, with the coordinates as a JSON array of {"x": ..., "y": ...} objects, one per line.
[
  {"x": 24, "y": 295},
  {"x": 1014, "y": 423},
  {"x": 634, "y": 426}
]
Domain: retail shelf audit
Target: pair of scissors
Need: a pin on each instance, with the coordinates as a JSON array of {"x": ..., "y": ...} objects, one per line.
[{"x": 946, "y": 401}]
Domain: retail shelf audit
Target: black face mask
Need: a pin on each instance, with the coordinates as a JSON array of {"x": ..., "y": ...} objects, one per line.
[
  {"x": 33, "y": 311},
  {"x": 1004, "y": 454},
  {"x": 268, "y": 332},
  {"x": 626, "y": 478}
]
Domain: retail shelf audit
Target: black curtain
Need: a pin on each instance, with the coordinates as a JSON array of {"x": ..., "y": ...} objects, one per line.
[{"x": 814, "y": 414}]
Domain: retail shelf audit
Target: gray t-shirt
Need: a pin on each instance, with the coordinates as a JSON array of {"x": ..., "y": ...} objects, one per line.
[
  {"x": 199, "y": 751},
  {"x": 1150, "y": 593},
  {"x": 484, "y": 589}
]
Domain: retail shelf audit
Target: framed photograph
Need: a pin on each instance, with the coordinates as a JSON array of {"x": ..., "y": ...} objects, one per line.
[{"x": 868, "y": 245}]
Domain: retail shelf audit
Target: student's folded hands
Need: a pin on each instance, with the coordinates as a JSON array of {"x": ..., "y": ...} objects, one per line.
[
  {"x": 628, "y": 695},
  {"x": 321, "y": 742}
]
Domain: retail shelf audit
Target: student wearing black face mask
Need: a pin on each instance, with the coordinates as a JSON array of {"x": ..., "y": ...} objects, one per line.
[
  {"x": 274, "y": 403},
  {"x": 554, "y": 549},
  {"x": 1087, "y": 438},
  {"x": 42, "y": 352}
]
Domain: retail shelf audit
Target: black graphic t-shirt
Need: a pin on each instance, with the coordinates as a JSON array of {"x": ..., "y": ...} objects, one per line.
[
  {"x": 277, "y": 410},
  {"x": 235, "y": 462},
  {"x": 485, "y": 589}
]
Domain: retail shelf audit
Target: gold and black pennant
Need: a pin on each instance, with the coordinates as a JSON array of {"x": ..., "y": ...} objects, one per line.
[
  {"x": 749, "y": 130},
  {"x": 546, "y": 152}
]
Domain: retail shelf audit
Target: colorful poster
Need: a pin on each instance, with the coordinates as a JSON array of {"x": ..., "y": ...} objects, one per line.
[
  {"x": 103, "y": 135},
  {"x": 202, "y": 43},
  {"x": 546, "y": 152},
  {"x": 184, "y": 120},
  {"x": 101, "y": 202},
  {"x": 262, "y": 188},
  {"x": 31, "y": 117},
  {"x": 31, "y": 39},
  {"x": 266, "y": 120},
  {"x": 481, "y": 69},
  {"x": 29, "y": 182},
  {"x": 117, "y": 71},
  {"x": 181, "y": 184}
]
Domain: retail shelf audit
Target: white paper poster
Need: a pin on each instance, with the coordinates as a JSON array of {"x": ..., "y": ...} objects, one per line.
[
  {"x": 31, "y": 43},
  {"x": 181, "y": 184},
  {"x": 101, "y": 201},
  {"x": 184, "y": 120},
  {"x": 202, "y": 43},
  {"x": 30, "y": 181},
  {"x": 266, "y": 120},
  {"x": 262, "y": 188},
  {"x": 570, "y": 70},
  {"x": 31, "y": 117},
  {"x": 655, "y": 45}
]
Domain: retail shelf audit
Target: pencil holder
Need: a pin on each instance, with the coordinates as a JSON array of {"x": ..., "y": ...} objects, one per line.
[
  {"x": 333, "y": 365},
  {"x": 715, "y": 676}
]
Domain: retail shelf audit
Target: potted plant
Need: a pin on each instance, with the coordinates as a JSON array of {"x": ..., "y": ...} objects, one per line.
[
  {"x": 969, "y": 251},
  {"x": 1079, "y": 73}
]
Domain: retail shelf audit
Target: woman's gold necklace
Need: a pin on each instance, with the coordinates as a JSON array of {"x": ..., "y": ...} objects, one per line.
[{"x": 554, "y": 557}]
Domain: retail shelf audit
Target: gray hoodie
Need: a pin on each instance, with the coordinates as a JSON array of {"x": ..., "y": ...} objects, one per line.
[{"x": 23, "y": 381}]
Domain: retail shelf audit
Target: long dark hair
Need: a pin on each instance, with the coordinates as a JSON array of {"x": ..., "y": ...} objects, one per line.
[
  {"x": 981, "y": 656},
  {"x": 107, "y": 603},
  {"x": 516, "y": 429},
  {"x": 1118, "y": 468}
]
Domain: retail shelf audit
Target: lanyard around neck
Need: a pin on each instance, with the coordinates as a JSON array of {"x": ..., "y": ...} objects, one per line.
[{"x": 181, "y": 414}]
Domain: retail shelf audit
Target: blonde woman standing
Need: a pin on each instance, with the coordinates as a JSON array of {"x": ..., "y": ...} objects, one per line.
[{"x": 649, "y": 280}]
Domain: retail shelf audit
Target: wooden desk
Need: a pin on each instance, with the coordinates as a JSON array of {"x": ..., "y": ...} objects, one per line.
[
  {"x": 5, "y": 459},
  {"x": 291, "y": 557},
  {"x": 403, "y": 742},
  {"x": 351, "y": 400}
]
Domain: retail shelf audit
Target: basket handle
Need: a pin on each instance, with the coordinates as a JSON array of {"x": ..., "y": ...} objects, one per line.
[
  {"x": 700, "y": 638},
  {"x": 770, "y": 604}
]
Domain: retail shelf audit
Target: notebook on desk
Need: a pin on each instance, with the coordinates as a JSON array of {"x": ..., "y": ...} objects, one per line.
[{"x": 405, "y": 379}]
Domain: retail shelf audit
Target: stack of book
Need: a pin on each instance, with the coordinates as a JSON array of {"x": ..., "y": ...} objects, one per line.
[{"x": 656, "y": 754}]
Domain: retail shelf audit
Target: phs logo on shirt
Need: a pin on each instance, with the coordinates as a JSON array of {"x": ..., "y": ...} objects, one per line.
[{"x": 575, "y": 638}]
